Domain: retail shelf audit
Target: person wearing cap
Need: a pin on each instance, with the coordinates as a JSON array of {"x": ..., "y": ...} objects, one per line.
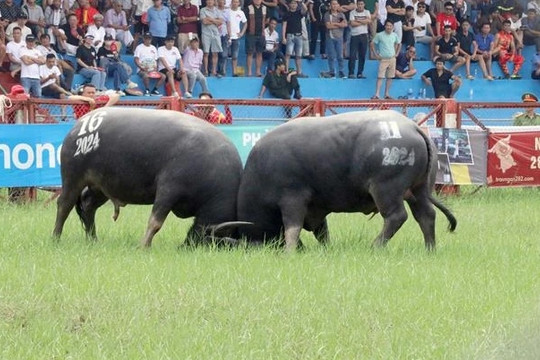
[
  {"x": 87, "y": 63},
  {"x": 159, "y": 17},
  {"x": 31, "y": 59},
  {"x": 9, "y": 10},
  {"x": 193, "y": 58},
  {"x": 109, "y": 59},
  {"x": 146, "y": 57},
  {"x": 169, "y": 56},
  {"x": 22, "y": 18},
  {"x": 74, "y": 34},
  {"x": 529, "y": 117},
  {"x": 281, "y": 83}
]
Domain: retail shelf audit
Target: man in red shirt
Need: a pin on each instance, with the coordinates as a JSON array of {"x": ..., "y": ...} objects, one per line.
[
  {"x": 187, "y": 19},
  {"x": 447, "y": 17},
  {"x": 85, "y": 14},
  {"x": 88, "y": 95},
  {"x": 505, "y": 49},
  {"x": 209, "y": 113}
]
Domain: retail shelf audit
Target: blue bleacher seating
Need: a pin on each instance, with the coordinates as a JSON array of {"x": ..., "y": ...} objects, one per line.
[{"x": 333, "y": 89}]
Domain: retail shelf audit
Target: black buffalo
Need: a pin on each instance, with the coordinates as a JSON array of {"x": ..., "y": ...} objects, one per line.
[
  {"x": 174, "y": 161},
  {"x": 355, "y": 162}
]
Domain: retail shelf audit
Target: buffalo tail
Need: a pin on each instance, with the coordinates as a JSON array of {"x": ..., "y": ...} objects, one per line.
[{"x": 451, "y": 219}]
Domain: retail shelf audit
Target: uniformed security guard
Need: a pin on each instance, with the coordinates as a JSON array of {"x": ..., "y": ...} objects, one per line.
[{"x": 529, "y": 117}]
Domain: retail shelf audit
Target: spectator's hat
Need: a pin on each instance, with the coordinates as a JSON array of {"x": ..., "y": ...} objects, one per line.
[
  {"x": 30, "y": 38},
  {"x": 108, "y": 37},
  {"x": 528, "y": 97},
  {"x": 88, "y": 35},
  {"x": 278, "y": 62},
  {"x": 147, "y": 35},
  {"x": 98, "y": 17},
  {"x": 22, "y": 16}
]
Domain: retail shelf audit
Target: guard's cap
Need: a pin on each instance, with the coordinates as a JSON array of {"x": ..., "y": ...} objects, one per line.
[{"x": 528, "y": 97}]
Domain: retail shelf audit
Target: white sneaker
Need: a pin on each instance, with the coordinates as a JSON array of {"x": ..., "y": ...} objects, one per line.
[
  {"x": 132, "y": 85},
  {"x": 176, "y": 95},
  {"x": 188, "y": 95}
]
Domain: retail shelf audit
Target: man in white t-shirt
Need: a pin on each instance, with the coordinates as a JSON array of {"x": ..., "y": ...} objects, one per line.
[
  {"x": 271, "y": 50},
  {"x": 237, "y": 26},
  {"x": 422, "y": 19},
  {"x": 22, "y": 18},
  {"x": 12, "y": 50},
  {"x": 50, "y": 79},
  {"x": 31, "y": 58},
  {"x": 360, "y": 19},
  {"x": 146, "y": 57},
  {"x": 98, "y": 30},
  {"x": 169, "y": 56}
]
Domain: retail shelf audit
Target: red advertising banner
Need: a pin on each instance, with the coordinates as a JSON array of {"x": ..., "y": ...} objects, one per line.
[{"x": 514, "y": 159}]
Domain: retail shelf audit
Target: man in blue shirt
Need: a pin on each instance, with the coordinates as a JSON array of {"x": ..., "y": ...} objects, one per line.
[
  {"x": 484, "y": 40},
  {"x": 159, "y": 17},
  {"x": 385, "y": 47}
]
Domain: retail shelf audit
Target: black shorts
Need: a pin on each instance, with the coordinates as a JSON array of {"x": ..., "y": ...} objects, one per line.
[
  {"x": 50, "y": 92},
  {"x": 139, "y": 27},
  {"x": 164, "y": 71},
  {"x": 255, "y": 44}
]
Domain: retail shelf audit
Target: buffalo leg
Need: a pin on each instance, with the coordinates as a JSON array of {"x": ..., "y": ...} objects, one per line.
[
  {"x": 65, "y": 203},
  {"x": 321, "y": 233},
  {"x": 424, "y": 214},
  {"x": 160, "y": 210},
  {"x": 90, "y": 201},
  {"x": 390, "y": 205},
  {"x": 293, "y": 214}
]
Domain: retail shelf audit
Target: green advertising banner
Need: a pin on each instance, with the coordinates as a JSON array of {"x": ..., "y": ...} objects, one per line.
[{"x": 245, "y": 137}]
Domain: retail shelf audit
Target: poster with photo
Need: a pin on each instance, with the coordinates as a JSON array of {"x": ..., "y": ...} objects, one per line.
[
  {"x": 444, "y": 172},
  {"x": 462, "y": 155},
  {"x": 458, "y": 146}
]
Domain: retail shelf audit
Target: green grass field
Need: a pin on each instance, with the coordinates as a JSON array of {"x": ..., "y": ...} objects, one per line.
[{"x": 477, "y": 297}]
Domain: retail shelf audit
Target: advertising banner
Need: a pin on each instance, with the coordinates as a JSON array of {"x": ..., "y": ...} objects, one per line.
[
  {"x": 30, "y": 154},
  {"x": 462, "y": 156},
  {"x": 514, "y": 159}
]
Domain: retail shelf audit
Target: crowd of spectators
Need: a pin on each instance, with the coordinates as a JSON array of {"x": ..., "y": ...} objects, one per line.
[{"x": 177, "y": 40}]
